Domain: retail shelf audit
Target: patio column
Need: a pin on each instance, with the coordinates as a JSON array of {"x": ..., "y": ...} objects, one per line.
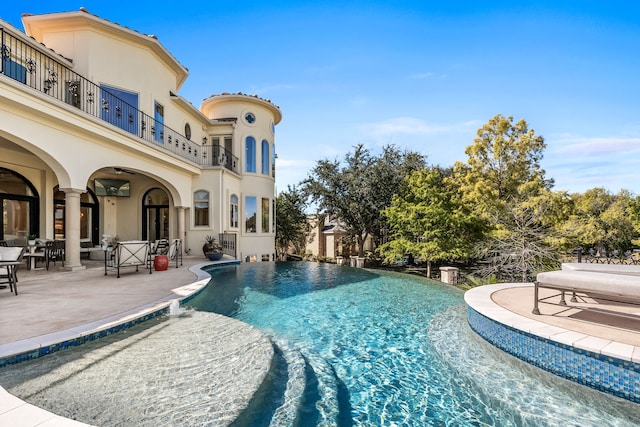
[
  {"x": 72, "y": 229},
  {"x": 181, "y": 226}
]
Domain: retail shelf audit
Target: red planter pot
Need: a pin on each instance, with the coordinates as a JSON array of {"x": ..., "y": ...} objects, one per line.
[{"x": 160, "y": 262}]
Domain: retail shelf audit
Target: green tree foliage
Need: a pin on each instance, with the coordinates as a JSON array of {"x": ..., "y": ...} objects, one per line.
[
  {"x": 602, "y": 221},
  {"x": 634, "y": 217},
  {"x": 429, "y": 220},
  {"x": 552, "y": 209},
  {"x": 504, "y": 182},
  {"x": 292, "y": 227},
  {"x": 503, "y": 165},
  {"x": 520, "y": 248},
  {"x": 358, "y": 189}
]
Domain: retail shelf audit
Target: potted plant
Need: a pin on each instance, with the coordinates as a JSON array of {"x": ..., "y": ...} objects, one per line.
[
  {"x": 212, "y": 249},
  {"x": 106, "y": 240}
]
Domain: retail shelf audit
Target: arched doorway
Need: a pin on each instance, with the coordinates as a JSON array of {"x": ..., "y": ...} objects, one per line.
[
  {"x": 20, "y": 206},
  {"x": 89, "y": 216},
  {"x": 155, "y": 215}
]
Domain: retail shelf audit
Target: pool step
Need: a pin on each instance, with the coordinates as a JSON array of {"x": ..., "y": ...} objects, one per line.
[
  {"x": 327, "y": 389},
  {"x": 311, "y": 396},
  {"x": 286, "y": 413},
  {"x": 301, "y": 390}
]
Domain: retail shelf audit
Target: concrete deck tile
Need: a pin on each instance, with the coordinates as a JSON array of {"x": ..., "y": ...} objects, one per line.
[
  {"x": 619, "y": 350},
  {"x": 593, "y": 344},
  {"x": 568, "y": 337}
]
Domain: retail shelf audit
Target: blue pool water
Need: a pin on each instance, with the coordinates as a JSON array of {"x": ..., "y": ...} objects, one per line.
[
  {"x": 352, "y": 347},
  {"x": 374, "y": 349}
]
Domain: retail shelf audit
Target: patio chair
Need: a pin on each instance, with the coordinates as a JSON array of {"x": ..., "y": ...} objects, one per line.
[
  {"x": 175, "y": 251},
  {"x": 161, "y": 247},
  {"x": 132, "y": 253},
  {"x": 54, "y": 251},
  {"x": 10, "y": 260}
]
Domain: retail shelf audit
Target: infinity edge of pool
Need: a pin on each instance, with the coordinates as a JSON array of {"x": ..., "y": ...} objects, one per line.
[
  {"x": 522, "y": 337},
  {"x": 604, "y": 365}
]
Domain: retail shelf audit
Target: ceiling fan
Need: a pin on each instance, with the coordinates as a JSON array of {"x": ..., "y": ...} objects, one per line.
[{"x": 120, "y": 171}]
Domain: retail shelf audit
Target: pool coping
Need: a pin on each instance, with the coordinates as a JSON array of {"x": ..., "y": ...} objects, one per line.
[
  {"x": 605, "y": 365},
  {"x": 31, "y": 348},
  {"x": 480, "y": 300}
]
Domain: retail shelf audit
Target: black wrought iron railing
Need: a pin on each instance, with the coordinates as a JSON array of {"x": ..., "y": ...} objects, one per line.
[
  {"x": 607, "y": 257},
  {"x": 228, "y": 242},
  {"x": 28, "y": 64},
  {"x": 215, "y": 155}
]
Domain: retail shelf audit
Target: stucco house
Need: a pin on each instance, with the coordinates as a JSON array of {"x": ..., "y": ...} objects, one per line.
[
  {"x": 95, "y": 140},
  {"x": 328, "y": 238}
]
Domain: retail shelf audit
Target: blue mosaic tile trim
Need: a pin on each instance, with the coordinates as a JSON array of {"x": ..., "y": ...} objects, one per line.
[
  {"x": 193, "y": 295},
  {"x": 618, "y": 377}
]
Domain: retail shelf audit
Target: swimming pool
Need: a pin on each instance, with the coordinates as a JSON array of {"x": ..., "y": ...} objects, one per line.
[
  {"x": 353, "y": 347},
  {"x": 392, "y": 349}
]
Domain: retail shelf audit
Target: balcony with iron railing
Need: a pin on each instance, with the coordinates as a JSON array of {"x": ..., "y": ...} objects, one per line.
[{"x": 26, "y": 63}]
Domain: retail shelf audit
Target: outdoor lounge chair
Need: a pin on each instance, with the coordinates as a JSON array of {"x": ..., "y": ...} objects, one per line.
[
  {"x": 132, "y": 253},
  {"x": 615, "y": 283},
  {"x": 10, "y": 260}
]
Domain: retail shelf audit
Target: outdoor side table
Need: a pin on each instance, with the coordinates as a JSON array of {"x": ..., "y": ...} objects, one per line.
[{"x": 32, "y": 259}]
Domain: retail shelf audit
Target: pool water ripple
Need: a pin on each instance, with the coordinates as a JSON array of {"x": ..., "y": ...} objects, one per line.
[
  {"x": 403, "y": 349},
  {"x": 350, "y": 347}
]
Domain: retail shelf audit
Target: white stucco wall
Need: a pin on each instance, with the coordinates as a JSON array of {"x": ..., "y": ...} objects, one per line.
[{"x": 52, "y": 143}]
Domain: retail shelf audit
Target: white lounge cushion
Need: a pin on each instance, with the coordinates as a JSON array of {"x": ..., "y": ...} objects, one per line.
[
  {"x": 633, "y": 270},
  {"x": 11, "y": 253},
  {"x": 606, "y": 284}
]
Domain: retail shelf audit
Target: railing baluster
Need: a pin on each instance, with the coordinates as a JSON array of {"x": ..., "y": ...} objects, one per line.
[{"x": 25, "y": 63}]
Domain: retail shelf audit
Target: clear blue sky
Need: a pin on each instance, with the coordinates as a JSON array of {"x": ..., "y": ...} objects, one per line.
[{"x": 422, "y": 75}]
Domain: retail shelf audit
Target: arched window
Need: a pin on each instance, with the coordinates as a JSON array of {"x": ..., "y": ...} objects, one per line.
[
  {"x": 265, "y": 157},
  {"x": 233, "y": 215},
  {"x": 20, "y": 206},
  {"x": 201, "y": 208},
  {"x": 187, "y": 131},
  {"x": 155, "y": 215},
  {"x": 250, "y": 154}
]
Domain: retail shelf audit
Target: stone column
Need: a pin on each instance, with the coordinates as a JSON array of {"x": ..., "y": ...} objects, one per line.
[
  {"x": 449, "y": 275},
  {"x": 72, "y": 229},
  {"x": 182, "y": 226}
]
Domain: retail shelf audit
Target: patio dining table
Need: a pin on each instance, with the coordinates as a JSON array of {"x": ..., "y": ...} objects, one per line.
[
  {"x": 35, "y": 253},
  {"x": 10, "y": 259}
]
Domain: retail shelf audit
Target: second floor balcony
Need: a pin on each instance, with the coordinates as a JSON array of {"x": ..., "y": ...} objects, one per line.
[{"x": 29, "y": 63}]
